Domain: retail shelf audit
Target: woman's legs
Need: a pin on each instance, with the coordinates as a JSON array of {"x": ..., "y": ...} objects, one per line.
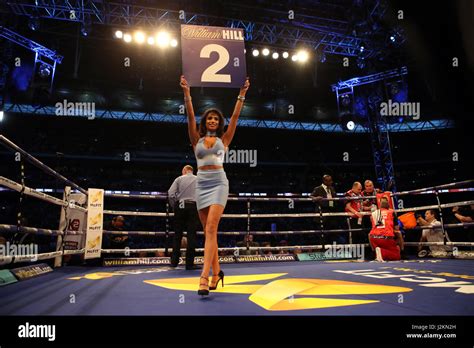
[
  {"x": 203, "y": 218},
  {"x": 210, "y": 246}
]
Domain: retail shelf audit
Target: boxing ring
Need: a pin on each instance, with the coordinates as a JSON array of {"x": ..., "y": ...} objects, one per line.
[{"x": 283, "y": 283}]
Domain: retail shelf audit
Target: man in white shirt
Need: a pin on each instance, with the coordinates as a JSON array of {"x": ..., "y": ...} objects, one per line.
[
  {"x": 433, "y": 234},
  {"x": 182, "y": 196}
]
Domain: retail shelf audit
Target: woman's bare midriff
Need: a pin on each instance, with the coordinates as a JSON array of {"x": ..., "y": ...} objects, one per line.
[{"x": 210, "y": 167}]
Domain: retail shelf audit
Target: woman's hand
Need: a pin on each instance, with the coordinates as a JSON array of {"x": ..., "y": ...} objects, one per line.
[
  {"x": 245, "y": 87},
  {"x": 184, "y": 85}
]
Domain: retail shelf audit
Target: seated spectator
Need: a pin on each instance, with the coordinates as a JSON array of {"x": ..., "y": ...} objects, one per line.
[
  {"x": 266, "y": 251},
  {"x": 464, "y": 213},
  {"x": 117, "y": 241},
  {"x": 434, "y": 234},
  {"x": 248, "y": 242},
  {"x": 297, "y": 250},
  {"x": 283, "y": 243}
]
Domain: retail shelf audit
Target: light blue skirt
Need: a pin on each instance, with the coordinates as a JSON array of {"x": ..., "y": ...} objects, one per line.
[{"x": 212, "y": 187}]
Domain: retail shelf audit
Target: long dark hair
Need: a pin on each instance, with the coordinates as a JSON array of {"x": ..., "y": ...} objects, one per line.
[{"x": 202, "y": 124}]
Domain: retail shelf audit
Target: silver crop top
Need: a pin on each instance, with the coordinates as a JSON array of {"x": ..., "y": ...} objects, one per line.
[{"x": 212, "y": 156}]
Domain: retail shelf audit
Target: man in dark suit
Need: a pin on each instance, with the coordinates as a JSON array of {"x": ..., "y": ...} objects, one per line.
[{"x": 326, "y": 190}]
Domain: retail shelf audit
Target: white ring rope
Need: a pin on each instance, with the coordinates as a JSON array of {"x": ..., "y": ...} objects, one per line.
[
  {"x": 236, "y": 232},
  {"x": 161, "y": 233},
  {"x": 442, "y": 206},
  {"x": 34, "y": 230},
  {"x": 113, "y": 251},
  {"x": 53, "y": 200},
  {"x": 290, "y": 215},
  {"x": 36, "y": 257},
  {"x": 137, "y": 196},
  {"x": 302, "y": 247},
  {"x": 52, "y": 255},
  {"x": 43, "y": 231},
  {"x": 37, "y": 163},
  {"x": 431, "y": 190},
  {"x": 136, "y": 213},
  {"x": 40, "y": 195}
]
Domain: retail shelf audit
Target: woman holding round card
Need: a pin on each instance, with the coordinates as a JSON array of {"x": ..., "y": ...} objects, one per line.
[{"x": 212, "y": 187}]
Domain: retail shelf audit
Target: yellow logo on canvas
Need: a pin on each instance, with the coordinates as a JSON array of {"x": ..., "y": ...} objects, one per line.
[{"x": 289, "y": 293}]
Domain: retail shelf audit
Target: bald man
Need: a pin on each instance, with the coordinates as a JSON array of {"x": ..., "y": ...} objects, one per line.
[
  {"x": 354, "y": 208},
  {"x": 369, "y": 204},
  {"x": 182, "y": 197}
]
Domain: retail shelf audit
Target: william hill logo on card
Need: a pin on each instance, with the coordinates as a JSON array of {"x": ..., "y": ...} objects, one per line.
[{"x": 214, "y": 33}]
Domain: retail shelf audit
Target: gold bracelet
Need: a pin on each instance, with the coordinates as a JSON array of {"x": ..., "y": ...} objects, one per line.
[{"x": 241, "y": 98}]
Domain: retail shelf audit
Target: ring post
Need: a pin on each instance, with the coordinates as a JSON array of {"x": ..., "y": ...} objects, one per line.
[
  {"x": 167, "y": 228},
  {"x": 248, "y": 224},
  {"x": 350, "y": 229},
  {"x": 58, "y": 260},
  {"x": 321, "y": 226},
  {"x": 440, "y": 215}
]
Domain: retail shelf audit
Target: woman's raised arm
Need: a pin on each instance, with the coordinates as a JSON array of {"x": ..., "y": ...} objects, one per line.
[
  {"x": 192, "y": 131},
  {"x": 229, "y": 134}
]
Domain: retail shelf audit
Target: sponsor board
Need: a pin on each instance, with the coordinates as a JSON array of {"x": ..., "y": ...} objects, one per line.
[
  {"x": 95, "y": 219},
  {"x": 322, "y": 256},
  {"x": 264, "y": 258},
  {"x": 198, "y": 260},
  {"x": 6, "y": 277},
  {"x": 31, "y": 271},
  {"x": 136, "y": 261},
  {"x": 132, "y": 261}
]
